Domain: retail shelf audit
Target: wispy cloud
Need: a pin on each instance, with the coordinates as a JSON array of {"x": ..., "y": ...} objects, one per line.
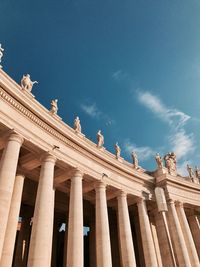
[
  {"x": 182, "y": 168},
  {"x": 91, "y": 110},
  {"x": 143, "y": 152},
  {"x": 119, "y": 75},
  {"x": 180, "y": 142},
  {"x": 94, "y": 112},
  {"x": 155, "y": 105}
]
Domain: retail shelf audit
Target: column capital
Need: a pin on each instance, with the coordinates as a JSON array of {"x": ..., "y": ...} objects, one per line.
[
  {"x": 140, "y": 200},
  {"x": 121, "y": 194},
  {"x": 47, "y": 157},
  {"x": 100, "y": 185},
  {"x": 77, "y": 173},
  {"x": 179, "y": 204},
  {"x": 16, "y": 137},
  {"x": 170, "y": 202}
]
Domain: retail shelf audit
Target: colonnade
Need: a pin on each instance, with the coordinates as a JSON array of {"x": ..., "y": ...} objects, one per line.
[{"x": 185, "y": 236}]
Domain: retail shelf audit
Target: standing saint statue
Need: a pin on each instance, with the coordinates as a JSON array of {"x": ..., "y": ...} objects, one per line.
[
  {"x": 117, "y": 150},
  {"x": 197, "y": 172},
  {"x": 190, "y": 171},
  {"x": 1, "y": 54},
  {"x": 26, "y": 83},
  {"x": 159, "y": 161},
  {"x": 77, "y": 125},
  {"x": 170, "y": 163},
  {"x": 100, "y": 139},
  {"x": 54, "y": 106},
  {"x": 135, "y": 160}
]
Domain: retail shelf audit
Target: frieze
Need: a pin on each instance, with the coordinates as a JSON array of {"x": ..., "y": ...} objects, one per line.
[{"x": 27, "y": 113}]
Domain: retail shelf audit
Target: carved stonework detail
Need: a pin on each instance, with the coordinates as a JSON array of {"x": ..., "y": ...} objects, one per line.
[
  {"x": 117, "y": 151},
  {"x": 26, "y": 83},
  {"x": 135, "y": 160},
  {"x": 100, "y": 139},
  {"x": 170, "y": 163},
  {"x": 77, "y": 125},
  {"x": 54, "y": 106}
]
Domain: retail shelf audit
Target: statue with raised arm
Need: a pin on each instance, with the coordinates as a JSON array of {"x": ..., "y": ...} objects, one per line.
[
  {"x": 135, "y": 160},
  {"x": 100, "y": 139},
  {"x": 190, "y": 171},
  {"x": 54, "y": 106},
  {"x": 26, "y": 83},
  {"x": 1, "y": 54},
  {"x": 77, "y": 125},
  {"x": 117, "y": 151},
  {"x": 159, "y": 161}
]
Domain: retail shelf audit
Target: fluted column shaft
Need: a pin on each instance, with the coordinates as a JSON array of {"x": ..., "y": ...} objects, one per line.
[
  {"x": 195, "y": 229},
  {"x": 188, "y": 236},
  {"x": 177, "y": 236},
  {"x": 147, "y": 239},
  {"x": 75, "y": 223},
  {"x": 125, "y": 234},
  {"x": 8, "y": 168},
  {"x": 42, "y": 229},
  {"x": 103, "y": 247},
  {"x": 11, "y": 230}
]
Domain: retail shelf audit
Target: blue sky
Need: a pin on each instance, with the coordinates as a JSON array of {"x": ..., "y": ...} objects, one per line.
[{"x": 130, "y": 68}]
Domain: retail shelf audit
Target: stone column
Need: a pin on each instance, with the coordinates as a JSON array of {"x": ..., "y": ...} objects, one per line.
[
  {"x": 42, "y": 229},
  {"x": 21, "y": 253},
  {"x": 195, "y": 229},
  {"x": 178, "y": 238},
  {"x": 147, "y": 239},
  {"x": 75, "y": 223},
  {"x": 103, "y": 248},
  {"x": 8, "y": 168},
  {"x": 187, "y": 234},
  {"x": 92, "y": 242},
  {"x": 11, "y": 230},
  {"x": 125, "y": 234}
]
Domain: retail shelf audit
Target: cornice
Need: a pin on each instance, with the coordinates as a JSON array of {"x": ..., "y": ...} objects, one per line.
[{"x": 13, "y": 95}]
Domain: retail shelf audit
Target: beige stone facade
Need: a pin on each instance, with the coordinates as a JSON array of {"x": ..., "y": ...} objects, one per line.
[{"x": 65, "y": 202}]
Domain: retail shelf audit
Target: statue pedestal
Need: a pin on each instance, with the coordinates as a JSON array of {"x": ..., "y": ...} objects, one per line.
[
  {"x": 120, "y": 159},
  {"x": 101, "y": 148},
  {"x": 55, "y": 116},
  {"x": 160, "y": 174},
  {"x": 27, "y": 93},
  {"x": 79, "y": 134}
]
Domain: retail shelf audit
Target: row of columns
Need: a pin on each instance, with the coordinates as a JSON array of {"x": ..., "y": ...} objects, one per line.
[{"x": 11, "y": 186}]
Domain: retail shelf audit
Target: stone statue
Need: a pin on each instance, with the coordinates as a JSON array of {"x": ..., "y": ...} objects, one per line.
[
  {"x": 159, "y": 161},
  {"x": 1, "y": 54},
  {"x": 54, "y": 106},
  {"x": 77, "y": 125},
  {"x": 135, "y": 160},
  {"x": 100, "y": 139},
  {"x": 26, "y": 83},
  {"x": 170, "y": 163},
  {"x": 190, "y": 171},
  {"x": 117, "y": 150},
  {"x": 197, "y": 172}
]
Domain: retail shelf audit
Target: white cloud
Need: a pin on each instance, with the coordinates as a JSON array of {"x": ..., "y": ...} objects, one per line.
[
  {"x": 179, "y": 141},
  {"x": 182, "y": 143},
  {"x": 94, "y": 112},
  {"x": 143, "y": 152},
  {"x": 182, "y": 168},
  {"x": 154, "y": 104},
  {"x": 91, "y": 110},
  {"x": 119, "y": 75}
]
